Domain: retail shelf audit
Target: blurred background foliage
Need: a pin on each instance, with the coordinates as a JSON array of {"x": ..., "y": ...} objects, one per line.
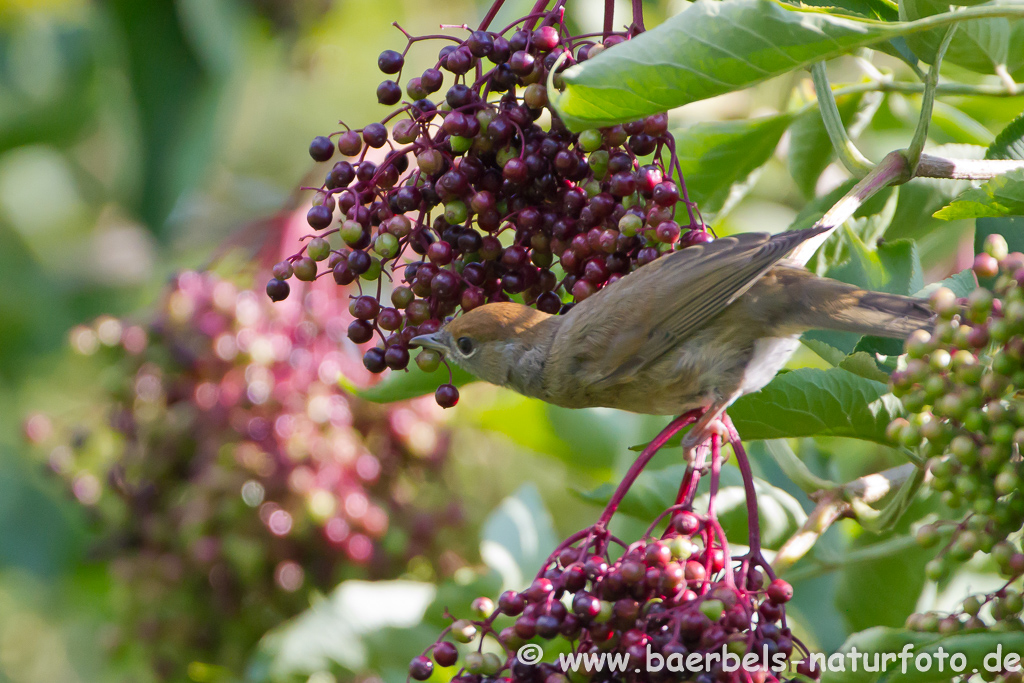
[{"x": 137, "y": 137}]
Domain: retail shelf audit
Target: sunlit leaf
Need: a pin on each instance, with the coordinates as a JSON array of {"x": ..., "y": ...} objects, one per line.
[
  {"x": 715, "y": 156},
  {"x": 1001, "y": 196}
]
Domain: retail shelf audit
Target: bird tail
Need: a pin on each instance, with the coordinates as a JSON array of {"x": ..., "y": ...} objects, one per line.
[{"x": 874, "y": 313}]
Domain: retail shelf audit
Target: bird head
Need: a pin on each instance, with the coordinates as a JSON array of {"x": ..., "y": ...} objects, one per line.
[{"x": 488, "y": 341}]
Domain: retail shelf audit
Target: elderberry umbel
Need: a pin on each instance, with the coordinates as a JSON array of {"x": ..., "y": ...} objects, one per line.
[
  {"x": 228, "y": 474},
  {"x": 478, "y": 192},
  {"x": 962, "y": 388}
]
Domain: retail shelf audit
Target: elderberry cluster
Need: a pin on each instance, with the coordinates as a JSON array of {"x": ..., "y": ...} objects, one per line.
[
  {"x": 229, "y": 476},
  {"x": 481, "y": 194},
  {"x": 677, "y": 596},
  {"x": 962, "y": 386}
]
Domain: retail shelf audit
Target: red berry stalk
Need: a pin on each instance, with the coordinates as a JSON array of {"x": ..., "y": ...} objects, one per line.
[{"x": 676, "y": 593}]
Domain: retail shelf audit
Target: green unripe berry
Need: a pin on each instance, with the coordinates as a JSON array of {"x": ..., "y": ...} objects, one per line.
[
  {"x": 598, "y": 162},
  {"x": 386, "y": 245},
  {"x": 305, "y": 269},
  {"x": 591, "y": 140},
  {"x": 428, "y": 360},
  {"x": 996, "y": 247},
  {"x": 927, "y": 536},
  {"x": 943, "y": 301},
  {"x": 459, "y": 144},
  {"x": 505, "y": 155},
  {"x": 918, "y": 344},
  {"x": 972, "y": 606},
  {"x": 351, "y": 232},
  {"x": 935, "y": 570},
  {"x": 630, "y": 224},
  {"x": 712, "y": 609},
  {"x": 373, "y": 272},
  {"x": 463, "y": 631},
  {"x": 910, "y": 436},
  {"x": 940, "y": 359},
  {"x": 536, "y": 95},
  {"x": 318, "y": 249},
  {"x": 474, "y": 662},
  {"x": 402, "y": 296},
  {"x": 456, "y": 212},
  {"x": 1006, "y": 482},
  {"x": 979, "y": 305}
]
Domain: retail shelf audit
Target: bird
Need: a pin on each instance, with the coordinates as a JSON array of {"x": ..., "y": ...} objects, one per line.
[{"x": 695, "y": 329}]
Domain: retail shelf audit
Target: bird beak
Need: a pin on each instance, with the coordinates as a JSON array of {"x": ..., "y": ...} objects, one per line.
[{"x": 429, "y": 341}]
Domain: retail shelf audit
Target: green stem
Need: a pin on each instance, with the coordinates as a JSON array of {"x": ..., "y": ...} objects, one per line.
[
  {"x": 892, "y": 170},
  {"x": 913, "y": 153},
  {"x": 847, "y": 152},
  {"x": 967, "y": 13}
]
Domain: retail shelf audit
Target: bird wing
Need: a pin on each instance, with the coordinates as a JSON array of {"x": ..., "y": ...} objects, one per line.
[{"x": 692, "y": 285}]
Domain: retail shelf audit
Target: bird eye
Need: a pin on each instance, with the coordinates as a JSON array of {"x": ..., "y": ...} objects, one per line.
[{"x": 466, "y": 346}]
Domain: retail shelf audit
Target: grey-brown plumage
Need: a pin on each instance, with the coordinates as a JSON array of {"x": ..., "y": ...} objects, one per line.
[{"x": 698, "y": 327}]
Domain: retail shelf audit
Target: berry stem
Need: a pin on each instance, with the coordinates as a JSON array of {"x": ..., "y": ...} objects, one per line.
[
  {"x": 638, "y": 17},
  {"x": 743, "y": 462},
  {"x": 491, "y": 13},
  {"x": 640, "y": 463},
  {"x": 609, "y": 17}
]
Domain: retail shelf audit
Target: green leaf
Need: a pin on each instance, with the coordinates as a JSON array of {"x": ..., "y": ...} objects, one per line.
[
  {"x": 998, "y": 197},
  {"x": 333, "y": 632},
  {"x": 1009, "y": 144},
  {"x": 814, "y": 402},
  {"x": 654, "y": 491},
  {"x": 716, "y": 156},
  {"x": 984, "y": 46},
  {"x": 708, "y": 49},
  {"x": 961, "y": 284},
  {"x": 517, "y": 537},
  {"x": 883, "y": 10},
  {"x": 779, "y": 513},
  {"x": 403, "y": 385},
  {"x": 810, "y": 149},
  {"x": 649, "y": 496},
  {"x": 1010, "y": 228},
  {"x": 863, "y": 364},
  {"x": 974, "y": 646}
]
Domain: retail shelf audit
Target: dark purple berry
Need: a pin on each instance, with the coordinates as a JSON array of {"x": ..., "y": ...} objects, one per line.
[
  {"x": 278, "y": 290},
  {"x": 321, "y": 148},
  {"x": 373, "y": 360},
  {"x": 389, "y": 92},
  {"x": 360, "y": 331},
  {"x": 375, "y": 135},
  {"x": 446, "y": 396},
  {"x": 420, "y": 667},
  {"x": 390, "y": 62}
]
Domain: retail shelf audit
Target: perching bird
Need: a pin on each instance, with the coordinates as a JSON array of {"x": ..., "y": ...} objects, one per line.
[{"x": 697, "y": 328}]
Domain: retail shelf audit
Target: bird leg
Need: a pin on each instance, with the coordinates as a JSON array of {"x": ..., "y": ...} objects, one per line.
[{"x": 708, "y": 424}]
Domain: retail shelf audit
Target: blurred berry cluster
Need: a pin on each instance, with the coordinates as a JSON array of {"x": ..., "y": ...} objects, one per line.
[
  {"x": 481, "y": 194},
  {"x": 231, "y": 477},
  {"x": 677, "y": 600},
  {"x": 962, "y": 386}
]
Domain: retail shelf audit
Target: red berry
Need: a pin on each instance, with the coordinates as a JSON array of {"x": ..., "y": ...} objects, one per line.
[
  {"x": 446, "y": 396},
  {"x": 420, "y": 668},
  {"x": 445, "y": 654}
]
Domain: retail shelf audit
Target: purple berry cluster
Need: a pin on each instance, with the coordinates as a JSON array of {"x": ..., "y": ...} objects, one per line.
[
  {"x": 675, "y": 594},
  {"x": 481, "y": 194},
  {"x": 229, "y": 476}
]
